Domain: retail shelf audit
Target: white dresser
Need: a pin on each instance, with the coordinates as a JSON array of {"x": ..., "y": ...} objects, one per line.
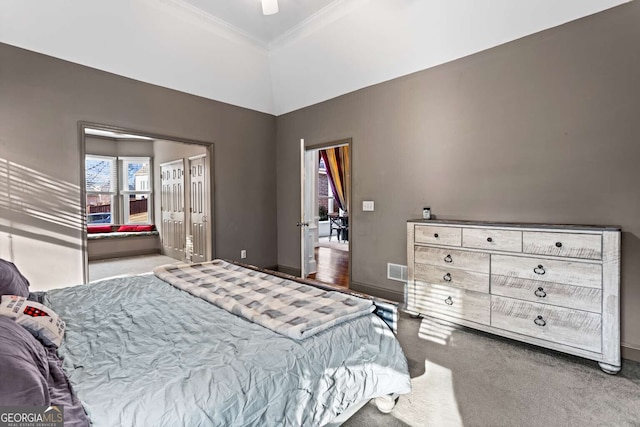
[{"x": 556, "y": 286}]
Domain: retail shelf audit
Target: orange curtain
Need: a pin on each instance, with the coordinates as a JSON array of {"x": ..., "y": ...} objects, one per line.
[{"x": 337, "y": 162}]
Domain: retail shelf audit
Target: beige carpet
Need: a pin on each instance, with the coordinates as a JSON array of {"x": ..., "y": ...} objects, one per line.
[
  {"x": 117, "y": 267},
  {"x": 462, "y": 377}
]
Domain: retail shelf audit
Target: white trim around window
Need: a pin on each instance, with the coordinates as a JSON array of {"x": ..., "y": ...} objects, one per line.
[{"x": 123, "y": 186}]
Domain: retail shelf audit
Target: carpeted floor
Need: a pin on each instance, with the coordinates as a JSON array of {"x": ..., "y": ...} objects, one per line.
[
  {"x": 463, "y": 377},
  {"x": 109, "y": 268}
]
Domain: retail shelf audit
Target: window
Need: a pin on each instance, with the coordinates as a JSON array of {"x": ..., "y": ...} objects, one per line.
[
  {"x": 118, "y": 190},
  {"x": 136, "y": 190},
  {"x": 100, "y": 173}
]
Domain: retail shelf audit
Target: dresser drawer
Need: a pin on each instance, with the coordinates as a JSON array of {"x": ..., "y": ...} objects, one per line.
[
  {"x": 454, "y": 277},
  {"x": 558, "y": 294},
  {"x": 497, "y": 240},
  {"x": 448, "y": 236},
  {"x": 449, "y": 303},
  {"x": 587, "y": 246},
  {"x": 545, "y": 270},
  {"x": 466, "y": 260},
  {"x": 575, "y": 328}
]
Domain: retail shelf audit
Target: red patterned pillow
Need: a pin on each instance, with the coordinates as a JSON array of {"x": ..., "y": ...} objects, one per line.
[
  {"x": 37, "y": 318},
  {"x": 128, "y": 228},
  {"x": 144, "y": 228},
  {"x": 98, "y": 229}
]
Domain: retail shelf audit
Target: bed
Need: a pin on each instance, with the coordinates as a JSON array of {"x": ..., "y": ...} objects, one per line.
[{"x": 142, "y": 351}]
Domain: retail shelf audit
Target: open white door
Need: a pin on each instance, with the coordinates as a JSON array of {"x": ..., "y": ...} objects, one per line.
[{"x": 308, "y": 218}]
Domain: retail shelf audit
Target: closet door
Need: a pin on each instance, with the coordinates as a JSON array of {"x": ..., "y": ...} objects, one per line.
[
  {"x": 172, "y": 231},
  {"x": 199, "y": 208}
]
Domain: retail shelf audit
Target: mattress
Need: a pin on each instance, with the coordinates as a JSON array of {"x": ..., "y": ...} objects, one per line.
[{"x": 139, "y": 351}]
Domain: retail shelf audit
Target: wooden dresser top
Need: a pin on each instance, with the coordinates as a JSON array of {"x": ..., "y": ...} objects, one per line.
[{"x": 573, "y": 227}]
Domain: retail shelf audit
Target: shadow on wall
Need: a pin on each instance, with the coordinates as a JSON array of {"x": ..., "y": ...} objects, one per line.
[{"x": 38, "y": 207}]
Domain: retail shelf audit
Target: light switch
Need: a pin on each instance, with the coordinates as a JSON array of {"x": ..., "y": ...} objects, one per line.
[{"x": 367, "y": 205}]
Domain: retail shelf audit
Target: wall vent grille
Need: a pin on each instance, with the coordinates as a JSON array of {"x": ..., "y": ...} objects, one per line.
[{"x": 397, "y": 272}]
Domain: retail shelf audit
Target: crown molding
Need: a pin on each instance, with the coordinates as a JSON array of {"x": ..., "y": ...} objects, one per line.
[
  {"x": 214, "y": 24},
  {"x": 325, "y": 16}
]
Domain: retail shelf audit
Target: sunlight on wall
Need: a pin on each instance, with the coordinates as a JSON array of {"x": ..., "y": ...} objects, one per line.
[
  {"x": 432, "y": 401},
  {"x": 40, "y": 226}
]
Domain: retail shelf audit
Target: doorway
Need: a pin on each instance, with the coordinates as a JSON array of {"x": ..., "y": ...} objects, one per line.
[
  {"x": 126, "y": 148},
  {"x": 325, "y": 206}
]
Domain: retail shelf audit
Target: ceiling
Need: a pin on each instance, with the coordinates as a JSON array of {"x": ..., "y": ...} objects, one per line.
[
  {"x": 245, "y": 16},
  {"x": 309, "y": 52}
]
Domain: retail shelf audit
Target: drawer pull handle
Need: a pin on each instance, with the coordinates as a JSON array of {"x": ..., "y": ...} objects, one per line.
[
  {"x": 540, "y": 292},
  {"x": 539, "y": 321},
  {"x": 558, "y": 244},
  {"x": 448, "y": 259},
  {"x": 448, "y": 301},
  {"x": 539, "y": 270},
  {"x": 435, "y": 235},
  {"x": 447, "y": 277},
  {"x": 489, "y": 239}
]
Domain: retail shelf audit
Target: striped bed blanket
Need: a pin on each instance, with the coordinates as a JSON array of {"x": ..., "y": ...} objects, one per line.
[{"x": 284, "y": 306}]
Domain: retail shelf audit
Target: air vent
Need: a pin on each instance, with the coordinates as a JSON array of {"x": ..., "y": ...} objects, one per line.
[{"x": 397, "y": 272}]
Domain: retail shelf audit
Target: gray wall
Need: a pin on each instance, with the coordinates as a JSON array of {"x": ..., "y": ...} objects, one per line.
[
  {"x": 41, "y": 101},
  {"x": 542, "y": 129}
]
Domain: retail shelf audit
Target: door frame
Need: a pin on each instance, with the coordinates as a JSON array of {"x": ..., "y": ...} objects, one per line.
[
  {"x": 82, "y": 125},
  {"x": 320, "y": 146}
]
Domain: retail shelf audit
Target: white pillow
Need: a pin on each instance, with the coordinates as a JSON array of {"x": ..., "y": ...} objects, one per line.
[{"x": 38, "y": 319}]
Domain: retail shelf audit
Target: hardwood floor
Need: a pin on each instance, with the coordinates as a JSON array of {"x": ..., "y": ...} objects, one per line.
[{"x": 333, "y": 266}]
